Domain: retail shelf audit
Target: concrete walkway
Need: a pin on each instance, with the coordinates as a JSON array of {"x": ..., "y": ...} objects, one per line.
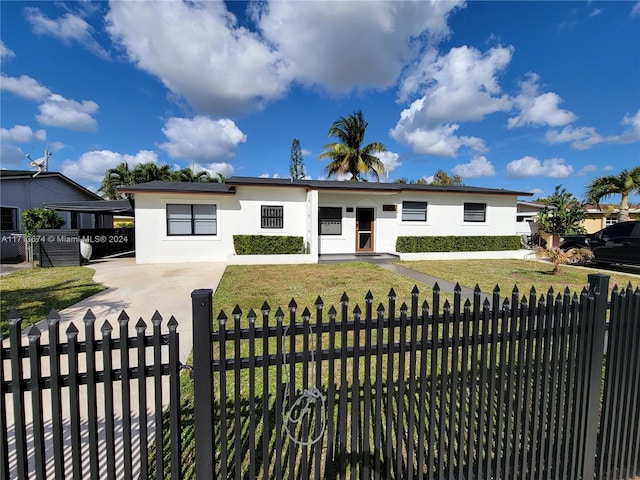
[
  {"x": 140, "y": 290},
  {"x": 445, "y": 286}
]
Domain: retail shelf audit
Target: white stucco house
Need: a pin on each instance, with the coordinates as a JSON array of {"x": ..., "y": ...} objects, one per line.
[{"x": 195, "y": 222}]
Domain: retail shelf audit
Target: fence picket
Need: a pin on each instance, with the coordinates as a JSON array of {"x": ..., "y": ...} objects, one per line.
[
  {"x": 53, "y": 327},
  {"x": 35, "y": 376},
  {"x": 109, "y": 420},
  {"x": 125, "y": 379}
]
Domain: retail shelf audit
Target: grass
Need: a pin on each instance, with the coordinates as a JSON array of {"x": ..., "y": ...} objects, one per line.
[
  {"x": 33, "y": 293},
  {"x": 250, "y": 286},
  {"x": 509, "y": 273}
]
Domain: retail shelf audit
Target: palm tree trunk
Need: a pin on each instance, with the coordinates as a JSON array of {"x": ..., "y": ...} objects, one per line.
[{"x": 624, "y": 208}]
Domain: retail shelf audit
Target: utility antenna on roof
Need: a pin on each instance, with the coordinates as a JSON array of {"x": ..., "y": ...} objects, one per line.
[{"x": 42, "y": 163}]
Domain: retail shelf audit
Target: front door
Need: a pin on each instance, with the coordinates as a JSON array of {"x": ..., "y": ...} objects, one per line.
[{"x": 364, "y": 229}]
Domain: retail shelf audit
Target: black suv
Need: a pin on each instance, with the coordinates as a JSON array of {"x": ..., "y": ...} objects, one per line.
[{"x": 618, "y": 243}]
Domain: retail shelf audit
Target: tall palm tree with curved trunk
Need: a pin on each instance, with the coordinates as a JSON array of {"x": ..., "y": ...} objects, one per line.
[
  {"x": 348, "y": 156},
  {"x": 627, "y": 182}
]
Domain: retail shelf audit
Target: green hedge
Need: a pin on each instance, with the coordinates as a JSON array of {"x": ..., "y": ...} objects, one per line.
[
  {"x": 456, "y": 244},
  {"x": 267, "y": 244}
]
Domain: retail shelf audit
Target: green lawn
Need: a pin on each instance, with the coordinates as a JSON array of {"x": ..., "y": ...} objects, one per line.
[
  {"x": 509, "y": 273},
  {"x": 33, "y": 293},
  {"x": 249, "y": 286}
]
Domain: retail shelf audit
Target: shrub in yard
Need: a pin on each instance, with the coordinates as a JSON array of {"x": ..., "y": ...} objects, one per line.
[
  {"x": 268, "y": 245},
  {"x": 456, "y": 244}
]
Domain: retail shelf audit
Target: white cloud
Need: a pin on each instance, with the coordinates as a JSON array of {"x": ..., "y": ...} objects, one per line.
[
  {"x": 25, "y": 87},
  {"x": 5, "y": 52},
  {"x": 68, "y": 28},
  {"x": 58, "y": 111},
  {"x": 390, "y": 160},
  {"x": 91, "y": 166},
  {"x": 201, "y": 138},
  {"x": 459, "y": 86},
  {"x": 226, "y": 169},
  {"x": 386, "y": 33},
  {"x": 532, "y": 167},
  {"x": 22, "y": 134},
  {"x": 269, "y": 175},
  {"x": 479, "y": 166},
  {"x": 440, "y": 141},
  {"x": 538, "y": 109},
  {"x": 200, "y": 52},
  {"x": 632, "y": 134},
  {"x": 586, "y": 170},
  {"x": 581, "y": 138},
  {"x": 635, "y": 11},
  {"x": 12, "y": 156}
]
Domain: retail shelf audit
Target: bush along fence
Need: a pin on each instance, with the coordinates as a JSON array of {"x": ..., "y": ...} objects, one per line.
[
  {"x": 525, "y": 387},
  {"x": 522, "y": 389}
]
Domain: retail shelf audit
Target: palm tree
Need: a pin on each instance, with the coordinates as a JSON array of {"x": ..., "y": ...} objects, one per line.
[
  {"x": 348, "y": 155},
  {"x": 628, "y": 181},
  {"x": 116, "y": 177},
  {"x": 148, "y": 172},
  {"x": 188, "y": 175}
]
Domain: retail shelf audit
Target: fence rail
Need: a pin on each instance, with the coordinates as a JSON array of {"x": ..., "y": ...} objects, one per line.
[
  {"x": 474, "y": 390},
  {"x": 83, "y": 407},
  {"x": 529, "y": 387}
]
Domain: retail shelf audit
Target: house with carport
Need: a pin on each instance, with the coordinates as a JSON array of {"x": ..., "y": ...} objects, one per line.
[{"x": 197, "y": 222}]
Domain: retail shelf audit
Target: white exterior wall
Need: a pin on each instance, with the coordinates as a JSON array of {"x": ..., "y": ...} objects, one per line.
[
  {"x": 237, "y": 214},
  {"x": 445, "y": 217},
  {"x": 385, "y": 225},
  {"x": 241, "y": 213}
]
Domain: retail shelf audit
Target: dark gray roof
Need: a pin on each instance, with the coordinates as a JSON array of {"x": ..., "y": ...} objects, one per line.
[
  {"x": 182, "y": 187},
  {"x": 369, "y": 186},
  {"x": 25, "y": 174},
  {"x": 107, "y": 207}
]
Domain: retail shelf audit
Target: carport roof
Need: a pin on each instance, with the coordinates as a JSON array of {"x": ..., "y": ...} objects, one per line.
[{"x": 105, "y": 207}]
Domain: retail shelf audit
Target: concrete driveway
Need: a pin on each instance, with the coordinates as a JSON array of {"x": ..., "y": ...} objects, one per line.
[{"x": 140, "y": 290}]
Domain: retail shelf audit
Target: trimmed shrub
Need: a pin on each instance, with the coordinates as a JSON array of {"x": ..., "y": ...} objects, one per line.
[
  {"x": 457, "y": 244},
  {"x": 268, "y": 245}
]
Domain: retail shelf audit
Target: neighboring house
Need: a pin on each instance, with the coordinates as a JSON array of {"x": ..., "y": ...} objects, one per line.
[
  {"x": 605, "y": 215},
  {"x": 192, "y": 222},
  {"x": 527, "y": 217},
  {"x": 23, "y": 190}
]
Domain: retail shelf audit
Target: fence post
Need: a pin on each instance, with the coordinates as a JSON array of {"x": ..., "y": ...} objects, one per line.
[
  {"x": 202, "y": 312},
  {"x": 599, "y": 287}
]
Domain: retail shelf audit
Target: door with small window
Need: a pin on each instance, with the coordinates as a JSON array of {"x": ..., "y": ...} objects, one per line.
[{"x": 365, "y": 221}]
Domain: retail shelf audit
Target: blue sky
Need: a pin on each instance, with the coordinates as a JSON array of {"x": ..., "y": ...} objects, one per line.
[{"x": 517, "y": 95}]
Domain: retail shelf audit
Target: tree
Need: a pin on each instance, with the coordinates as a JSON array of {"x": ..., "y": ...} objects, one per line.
[
  {"x": 562, "y": 213},
  {"x": 627, "y": 182},
  {"x": 442, "y": 178},
  {"x": 348, "y": 156},
  {"x": 122, "y": 175},
  {"x": 116, "y": 177},
  {"x": 296, "y": 162},
  {"x": 38, "y": 218}
]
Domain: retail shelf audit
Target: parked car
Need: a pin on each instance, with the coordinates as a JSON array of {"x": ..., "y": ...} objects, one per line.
[{"x": 618, "y": 243}]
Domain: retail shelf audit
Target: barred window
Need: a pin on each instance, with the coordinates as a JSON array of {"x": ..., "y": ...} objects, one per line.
[
  {"x": 330, "y": 220},
  {"x": 475, "y": 212},
  {"x": 187, "y": 219},
  {"x": 414, "y": 211},
  {"x": 272, "y": 216}
]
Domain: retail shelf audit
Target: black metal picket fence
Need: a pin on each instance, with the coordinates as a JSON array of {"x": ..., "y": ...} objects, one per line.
[
  {"x": 90, "y": 408},
  {"x": 531, "y": 386},
  {"x": 493, "y": 390}
]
